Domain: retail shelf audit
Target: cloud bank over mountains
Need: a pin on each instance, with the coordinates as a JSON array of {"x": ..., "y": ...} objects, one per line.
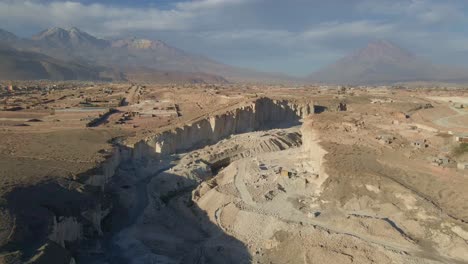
[{"x": 294, "y": 37}]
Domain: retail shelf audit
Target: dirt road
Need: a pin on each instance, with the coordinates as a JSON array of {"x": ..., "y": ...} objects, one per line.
[{"x": 290, "y": 215}]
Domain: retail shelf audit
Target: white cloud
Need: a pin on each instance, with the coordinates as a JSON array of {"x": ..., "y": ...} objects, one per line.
[
  {"x": 207, "y": 4},
  {"x": 421, "y": 11},
  {"x": 350, "y": 29},
  {"x": 312, "y": 36},
  {"x": 99, "y": 18}
]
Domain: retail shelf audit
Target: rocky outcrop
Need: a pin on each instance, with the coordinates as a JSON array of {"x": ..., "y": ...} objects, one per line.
[
  {"x": 314, "y": 152},
  {"x": 66, "y": 229},
  {"x": 275, "y": 140},
  {"x": 106, "y": 170},
  {"x": 261, "y": 114},
  {"x": 96, "y": 214}
]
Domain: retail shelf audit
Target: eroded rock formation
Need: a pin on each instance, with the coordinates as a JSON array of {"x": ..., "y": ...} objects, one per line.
[{"x": 91, "y": 202}]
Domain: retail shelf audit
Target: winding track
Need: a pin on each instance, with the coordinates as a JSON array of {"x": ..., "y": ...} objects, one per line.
[{"x": 294, "y": 217}]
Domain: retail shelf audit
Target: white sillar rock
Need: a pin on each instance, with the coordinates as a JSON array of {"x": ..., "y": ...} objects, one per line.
[
  {"x": 65, "y": 229},
  {"x": 261, "y": 114},
  {"x": 95, "y": 216},
  {"x": 314, "y": 151},
  {"x": 106, "y": 170}
]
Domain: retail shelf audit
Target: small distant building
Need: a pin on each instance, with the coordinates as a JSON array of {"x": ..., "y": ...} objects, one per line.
[
  {"x": 461, "y": 138},
  {"x": 385, "y": 139},
  {"x": 420, "y": 144},
  {"x": 462, "y": 165},
  {"x": 441, "y": 161}
]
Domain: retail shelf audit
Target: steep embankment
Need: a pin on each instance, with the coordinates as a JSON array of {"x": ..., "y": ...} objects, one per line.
[
  {"x": 314, "y": 151},
  {"x": 263, "y": 113}
]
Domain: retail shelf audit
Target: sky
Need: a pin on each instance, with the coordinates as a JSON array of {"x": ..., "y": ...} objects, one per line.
[{"x": 295, "y": 37}]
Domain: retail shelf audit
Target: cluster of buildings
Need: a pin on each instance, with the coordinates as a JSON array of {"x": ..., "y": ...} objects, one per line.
[
  {"x": 443, "y": 159},
  {"x": 41, "y": 85}
]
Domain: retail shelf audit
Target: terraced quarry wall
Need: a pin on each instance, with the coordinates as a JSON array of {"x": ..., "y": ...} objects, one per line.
[
  {"x": 70, "y": 224},
  {"x": 263, "y": 113}
]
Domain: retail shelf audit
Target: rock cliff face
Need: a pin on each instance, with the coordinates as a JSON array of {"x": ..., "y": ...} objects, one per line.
[
  {"x": 106, "y": 170},
  {"x": 313, "y": 151},
  {"x": 308, "y": 136},
  {"x": 261, "y": 114},
  {"x": 66, "y": 229}
]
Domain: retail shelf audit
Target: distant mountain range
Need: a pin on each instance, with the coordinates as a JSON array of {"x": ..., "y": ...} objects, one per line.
[
  {"x": 383, "y": 62},
  {"x": 25, "y": 65},
  {"x": 65, "y": 54},
  {"x": 130, "y": 55}
]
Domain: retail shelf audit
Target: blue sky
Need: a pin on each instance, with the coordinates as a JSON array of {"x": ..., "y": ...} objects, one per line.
[{"x": 290, "y": 36}]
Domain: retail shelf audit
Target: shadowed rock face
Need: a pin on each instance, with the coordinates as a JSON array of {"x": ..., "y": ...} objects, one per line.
[
  {"x": 47, "y": 218},
  {"x": 384, "y": 62}
]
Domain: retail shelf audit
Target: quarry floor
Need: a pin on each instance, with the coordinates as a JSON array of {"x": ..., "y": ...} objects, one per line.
[{"x": 278, "y": 204}]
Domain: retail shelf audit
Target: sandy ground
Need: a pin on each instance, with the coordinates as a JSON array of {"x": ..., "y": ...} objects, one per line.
[
  {"x": 331, "y": 191},
  {"x": 454, "y": 99}
]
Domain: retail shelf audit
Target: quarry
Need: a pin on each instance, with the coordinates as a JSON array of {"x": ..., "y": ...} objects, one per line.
[
  {"x": 232, "y": 173},
  {"x": 233, "y": 132}
]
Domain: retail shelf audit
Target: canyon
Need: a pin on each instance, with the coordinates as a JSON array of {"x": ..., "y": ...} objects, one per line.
[{"x": 148, "y": 161}]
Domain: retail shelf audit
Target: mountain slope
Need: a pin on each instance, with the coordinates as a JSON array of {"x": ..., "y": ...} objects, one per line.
[
  {"x": 384, "y": 62},
  {"x": 20, "y": 65},
  {"x": 7, "y": 37},
  {"x": 68, "y": 39},
  {"x": 76, "y": 45}
]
